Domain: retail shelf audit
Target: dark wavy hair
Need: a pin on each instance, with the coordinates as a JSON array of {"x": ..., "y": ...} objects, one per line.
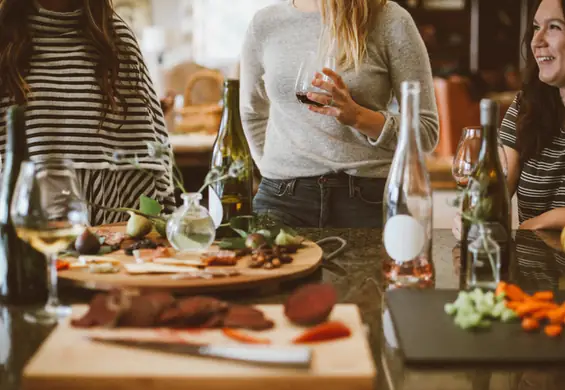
[
  {"x": 98, "y": 25},
  {"x": 541, "y": 112}
]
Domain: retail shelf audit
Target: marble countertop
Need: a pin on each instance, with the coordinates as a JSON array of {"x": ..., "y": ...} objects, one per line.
[{"x": 357, "y": 275}]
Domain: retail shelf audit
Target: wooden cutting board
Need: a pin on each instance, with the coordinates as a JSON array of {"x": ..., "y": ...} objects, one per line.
[
  {"x": 428, "y": 336},
  {"x": 67, "y": 360},
  {"x": 305, "y": 262}
]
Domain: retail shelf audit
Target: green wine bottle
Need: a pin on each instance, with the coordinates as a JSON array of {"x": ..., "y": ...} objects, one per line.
[
  {"x": 487, "y": 197},
  {"x": 231, "y": 197},
  {"x": 23, "y": 275}
]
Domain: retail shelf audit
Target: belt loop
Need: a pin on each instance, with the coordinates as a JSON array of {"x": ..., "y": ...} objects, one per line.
[
  {"x": 351, "y": 186},
  {"x": 290, "y": 187}
]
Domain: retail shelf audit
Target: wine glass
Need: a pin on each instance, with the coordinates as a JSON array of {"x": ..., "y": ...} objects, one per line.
[
  {"x": 48, "y": 212},
  {"x": 311, "y": 64},
  {"x": 467, "y": 155}
]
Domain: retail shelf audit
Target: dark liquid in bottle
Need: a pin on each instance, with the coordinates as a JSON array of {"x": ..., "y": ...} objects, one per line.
[{"x": 303, "y": 98}]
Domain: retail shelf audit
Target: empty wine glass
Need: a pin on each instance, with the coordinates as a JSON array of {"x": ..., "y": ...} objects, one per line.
[
  {"x": 312, "y": 64},
  {"x": 48, "y": 212},
  {"x": 467, "y": 155}
]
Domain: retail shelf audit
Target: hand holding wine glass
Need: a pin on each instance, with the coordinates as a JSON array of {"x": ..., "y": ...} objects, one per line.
[
  {"x": 310, "y": 67},
  {"x": 48, "y": 212}
]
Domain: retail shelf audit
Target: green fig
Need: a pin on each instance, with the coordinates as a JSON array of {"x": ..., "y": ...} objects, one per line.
[
  {"x": 138, "y": 226},
  {"x": 87, "y": 243},
  {"x": 160, "y": 227},
  {"x": 284, "y": 239}
]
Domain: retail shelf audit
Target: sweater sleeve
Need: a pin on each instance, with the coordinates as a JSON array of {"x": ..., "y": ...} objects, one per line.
[
  {"x": 408, "y": 61},
  {"x": 254, "y": 104},
  {"x": 161, "y": 150},
  {"x": 508, "y": 126}
]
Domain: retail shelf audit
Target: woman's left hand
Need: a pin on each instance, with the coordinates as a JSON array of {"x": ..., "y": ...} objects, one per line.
[{"x": 338, "y": 102}]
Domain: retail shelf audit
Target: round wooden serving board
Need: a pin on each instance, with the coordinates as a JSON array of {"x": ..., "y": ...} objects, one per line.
[{"x": 305, "y": 262}]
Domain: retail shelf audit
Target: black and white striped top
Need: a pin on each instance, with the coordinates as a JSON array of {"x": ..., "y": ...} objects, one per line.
[
  {"x": 541, "y": 186},
  {"x": 65, "y": 111}
]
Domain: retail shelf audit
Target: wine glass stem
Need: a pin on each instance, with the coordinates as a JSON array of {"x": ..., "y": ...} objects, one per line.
[{"x": 53, "y": 299}]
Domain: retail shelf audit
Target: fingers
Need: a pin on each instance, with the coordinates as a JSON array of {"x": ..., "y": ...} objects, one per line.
[
  {"x": 325, "y": 85},
  {"x": 321, "y": 98},
  {"x": 338, "y": 81},
  {"x": 330, "y": 111}
]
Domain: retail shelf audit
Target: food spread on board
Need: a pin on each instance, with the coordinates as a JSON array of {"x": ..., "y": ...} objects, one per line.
[
  {"x": 309, "y": 305},
  {"x": 477, "y": 309},
  {"x": 97, "y": 250}
]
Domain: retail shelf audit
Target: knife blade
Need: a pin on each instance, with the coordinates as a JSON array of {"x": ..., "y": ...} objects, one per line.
[{"x": 296, "y": 357}]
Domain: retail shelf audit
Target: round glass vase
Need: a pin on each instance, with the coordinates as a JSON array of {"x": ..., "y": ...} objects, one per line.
[{"x": 191, "y": 228}]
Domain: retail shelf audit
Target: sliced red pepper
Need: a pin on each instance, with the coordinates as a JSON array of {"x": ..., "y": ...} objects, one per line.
[
  {"x": 324, "y": 332},
  {"x": 62, "y": 265},
  {"x": 244, "y": 338}
]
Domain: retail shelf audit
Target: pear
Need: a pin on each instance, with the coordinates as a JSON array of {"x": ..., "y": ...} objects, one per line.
[
  {"x": 87, "y": 243},
  {"x": 563, "y": 239},
  {"x": 138, "y": 226}
]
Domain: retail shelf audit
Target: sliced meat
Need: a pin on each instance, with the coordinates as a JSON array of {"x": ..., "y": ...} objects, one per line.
[
  {"x": 310, "y": 304},
  {"x": 101, "y": 312},
  {"x": 145, "y": 310},
  {"x": 193, "y": 311},
  {"x": 111, "y": 237},
  {"x": 247, "y": 317}
]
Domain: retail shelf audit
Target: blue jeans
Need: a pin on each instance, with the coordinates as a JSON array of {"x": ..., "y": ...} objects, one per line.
[{"x": 336, "y": 200}]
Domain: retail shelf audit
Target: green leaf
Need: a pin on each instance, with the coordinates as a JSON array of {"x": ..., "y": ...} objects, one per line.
[
  {"x": 149, "y": 206},
  {"x": 232, "y": 243},
  {"x": 243, "y": 225}
]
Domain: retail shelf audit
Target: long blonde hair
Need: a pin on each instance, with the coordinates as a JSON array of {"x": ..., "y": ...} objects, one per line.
[{"x": 345, "y": 28}]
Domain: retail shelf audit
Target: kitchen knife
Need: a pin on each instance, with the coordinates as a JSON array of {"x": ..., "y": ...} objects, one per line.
[{"x": 298, "y": 357}]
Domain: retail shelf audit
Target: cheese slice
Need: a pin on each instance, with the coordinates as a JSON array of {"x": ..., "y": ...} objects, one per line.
[
  {"x": 175, "y": 261},
  {"x": 87, "y": 259}
]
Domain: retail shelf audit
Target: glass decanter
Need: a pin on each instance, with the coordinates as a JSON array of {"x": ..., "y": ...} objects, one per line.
[
  {"x": 484, "y": 256},
  {"x": 191, "y": 228}
]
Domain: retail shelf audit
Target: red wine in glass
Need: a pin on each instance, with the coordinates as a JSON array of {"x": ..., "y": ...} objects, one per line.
[
  {"x": 311, "y": 65},
  {"x": 304, "y": 99}
]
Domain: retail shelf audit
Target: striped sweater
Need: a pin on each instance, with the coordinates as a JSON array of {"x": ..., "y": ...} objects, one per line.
[
  {"x": 540, "y": 186},
  {"x": 65, "y": 116}
]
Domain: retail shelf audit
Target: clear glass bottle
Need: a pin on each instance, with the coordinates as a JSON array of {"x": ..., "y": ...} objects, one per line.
[
  {"x": 191, "y": 228},
  {"x": 407, "y": 206},
  {"x": 484, "y": 256}
]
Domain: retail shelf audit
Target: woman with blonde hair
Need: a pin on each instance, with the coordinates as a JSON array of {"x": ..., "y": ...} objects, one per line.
[{"x": 327, "y": 165}]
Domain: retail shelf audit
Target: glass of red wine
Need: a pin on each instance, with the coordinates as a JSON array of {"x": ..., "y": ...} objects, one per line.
[
  {"x": 467, "y": 156},
  {"x": 312, "y": 64}
]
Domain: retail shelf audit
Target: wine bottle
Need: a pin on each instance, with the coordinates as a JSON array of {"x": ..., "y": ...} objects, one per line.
[
  {"x": 486, "y": 198},
  {"x": 23, "y": 278},
  {"x": 407, "y": 206},
  {"x": 231, "y": 197}
]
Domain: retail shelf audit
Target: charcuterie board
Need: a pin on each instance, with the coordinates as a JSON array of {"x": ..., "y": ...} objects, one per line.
[
  {"x": 69, "y": 360},
  {"x": 178, "y": 279}
]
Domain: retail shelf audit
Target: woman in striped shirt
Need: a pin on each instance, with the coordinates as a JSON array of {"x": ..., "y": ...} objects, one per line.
[
  {"x": 533, "y": 131},
  {"x": 78, "y": 69}
]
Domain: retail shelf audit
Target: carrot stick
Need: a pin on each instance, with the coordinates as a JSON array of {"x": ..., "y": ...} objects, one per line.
[
  {"x": 529, "y": 324},
  {"x": 553, "y": 330},
  {"x": 513, "y": 305},
  {"x": 500, "y": 288},
  {"x": 557, "y": 316},
  {"x": 531, "y": 306},
  {"x": 515, "y": 293},
  {"x": 543, "y": 296},
  {"x": 540, "y": 314}
]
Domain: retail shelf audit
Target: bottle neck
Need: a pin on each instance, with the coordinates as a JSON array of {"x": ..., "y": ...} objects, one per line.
[
  {"x": 410, "y": 121},
  {"x": 191, "y": 199},
  {"x": 489, "y": 146},
  {"x": 231, "y": 106}
]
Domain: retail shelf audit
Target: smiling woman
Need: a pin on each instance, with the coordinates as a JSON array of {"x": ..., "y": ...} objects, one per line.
[{"x": 533, "y": 130}]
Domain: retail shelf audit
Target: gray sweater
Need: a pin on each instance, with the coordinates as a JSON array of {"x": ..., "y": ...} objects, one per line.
[{"x": 286, "y": 139}]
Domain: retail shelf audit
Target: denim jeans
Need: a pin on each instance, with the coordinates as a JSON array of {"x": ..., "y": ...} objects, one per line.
[{"x": 336, "y": 200}]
